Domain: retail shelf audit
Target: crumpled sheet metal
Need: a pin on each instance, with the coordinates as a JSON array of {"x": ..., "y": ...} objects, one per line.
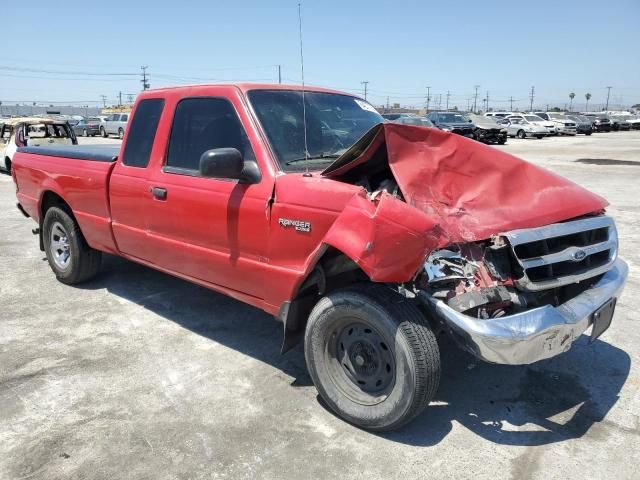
[
  {"x": 462, "y": 191},
  {"x": 386, "y": 237}
]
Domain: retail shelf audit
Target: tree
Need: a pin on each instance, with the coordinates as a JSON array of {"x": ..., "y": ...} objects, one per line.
[
  {"x": 588, "y": 97},
  {"x": 571, "y": 96}
]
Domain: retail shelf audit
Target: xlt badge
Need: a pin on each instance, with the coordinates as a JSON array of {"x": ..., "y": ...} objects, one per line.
[{"x": 299, "y": 225}]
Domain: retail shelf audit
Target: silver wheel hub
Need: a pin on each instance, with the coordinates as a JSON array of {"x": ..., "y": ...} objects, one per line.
[{"x": 60, "y": 246}]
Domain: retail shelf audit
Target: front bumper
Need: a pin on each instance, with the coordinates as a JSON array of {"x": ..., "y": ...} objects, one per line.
[{"x": 536, "y": 334}]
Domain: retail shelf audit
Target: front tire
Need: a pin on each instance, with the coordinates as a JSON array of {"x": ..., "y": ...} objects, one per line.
[
  {"x": 120, "y": 133},
  {"x": 103, "y": 132},
  {"x": 372, "y": 356},
  {"x": 521, "y": 134},
  {"x": 69, "y": 256},
  {"x": 85, "y": 133}
]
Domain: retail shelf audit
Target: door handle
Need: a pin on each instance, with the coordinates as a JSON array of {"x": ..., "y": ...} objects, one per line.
[{"x": 159, "y": 193}]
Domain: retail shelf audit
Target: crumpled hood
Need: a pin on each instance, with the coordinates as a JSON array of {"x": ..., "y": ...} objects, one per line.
[{"x": 469, "y": 190}]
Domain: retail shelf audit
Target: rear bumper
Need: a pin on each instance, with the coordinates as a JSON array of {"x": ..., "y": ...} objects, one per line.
[{"x": 536, "y": 334}]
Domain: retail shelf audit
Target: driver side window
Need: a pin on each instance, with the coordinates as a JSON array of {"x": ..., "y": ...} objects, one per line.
[{"x": 202, "y": 124}]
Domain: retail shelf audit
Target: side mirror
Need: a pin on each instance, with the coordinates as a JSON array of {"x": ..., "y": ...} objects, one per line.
[{"x": 228, "y": 163}]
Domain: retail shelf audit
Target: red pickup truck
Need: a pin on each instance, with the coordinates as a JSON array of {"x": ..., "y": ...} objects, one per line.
[{"x": 367, "y": 239}]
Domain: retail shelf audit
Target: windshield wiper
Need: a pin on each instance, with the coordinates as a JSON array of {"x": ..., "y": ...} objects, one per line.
[{"x": 322, "y": 156}]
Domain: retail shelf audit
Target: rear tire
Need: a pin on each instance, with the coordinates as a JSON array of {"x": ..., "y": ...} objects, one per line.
[
  {"x": 69, "y": 256},
  {"x": 120, "y": 133},
  {"x": 7, "y": 165},
  {"x": 372, "y": 356}
]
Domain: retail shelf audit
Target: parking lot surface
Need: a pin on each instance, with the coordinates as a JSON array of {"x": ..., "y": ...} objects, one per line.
[{"x": 137, "y": 374}]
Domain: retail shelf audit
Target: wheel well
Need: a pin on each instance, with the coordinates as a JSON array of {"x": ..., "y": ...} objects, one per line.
[
  {"x": 332, "y": 271},
  {"x": 51, "y": 199}
]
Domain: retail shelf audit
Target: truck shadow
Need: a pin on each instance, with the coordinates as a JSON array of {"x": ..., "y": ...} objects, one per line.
[{"x": 550, "y": 401}]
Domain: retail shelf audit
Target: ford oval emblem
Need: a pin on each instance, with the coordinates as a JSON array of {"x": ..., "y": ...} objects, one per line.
[{"x": 579, "y": 255}]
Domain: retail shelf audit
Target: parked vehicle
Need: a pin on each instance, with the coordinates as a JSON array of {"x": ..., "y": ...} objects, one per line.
[
  {"x": 488, "y": 130},
  {"x": 583, "y": 124},
  {"x": 88, "y": 127},
  {"x": 620, "y": 122},
  {"x": 396, "y": 116},
  {"x": 452, "y": 122},
  {"x": 33, "y": 132},
  {"x": 115, "y": 124},
  {"x": 601, "y": 123},
  {"x": 548, "y": 125},
  {"x": 634, "y": 121},
  {"x": 419, "y": 121},
  {"x": 363, "y": 237},
  {"x": 564, "y": 125},
  {"x": 522, "y": 128}
]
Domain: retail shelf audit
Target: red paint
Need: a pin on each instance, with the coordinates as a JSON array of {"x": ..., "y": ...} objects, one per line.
[{"x": 226, "y": 236}]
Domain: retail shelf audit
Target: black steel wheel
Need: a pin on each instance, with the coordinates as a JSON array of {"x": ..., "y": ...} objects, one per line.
[{"x": 372, "y": 356}]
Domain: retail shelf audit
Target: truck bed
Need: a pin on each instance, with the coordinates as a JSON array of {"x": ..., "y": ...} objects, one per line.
[
  {"x": 96, "y": 153},
  {"x": 77, "y": 174}
]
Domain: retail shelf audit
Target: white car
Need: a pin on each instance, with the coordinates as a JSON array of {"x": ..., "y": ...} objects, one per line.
[
  {"x": 522, "y": 128},
  {"x": 550, "y": 127},
  {"x": 565, "y": 125},
  {"x": 30, "y": 132}
]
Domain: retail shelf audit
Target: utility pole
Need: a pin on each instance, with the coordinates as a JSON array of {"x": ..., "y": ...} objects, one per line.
[
  {"x": 608, "y": 93},
  {"x": 0, "y": 108},
  {"x": 428, "y": 97},
  {"x": 448, "y": 95},
  {"x": 487, "y": 102},
  {"x": 468, "y": 104},
  {"x": 119, "y": 99},
  {"x": 547, "y": 108},
  {"x": 532, "y": 95},
  {"x": 145, "y": 83},
  {"x": 104, "y": 101},
  {"x": 365, "y": 83},
  {"x": 511, "y": 103},
  {"x": 279, "y": 73},
  {"x": 475, "y": 99},
  {"x": 387, "y": 103}
]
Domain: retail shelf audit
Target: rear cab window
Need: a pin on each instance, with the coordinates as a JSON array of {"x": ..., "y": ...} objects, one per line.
[{"x": 142, "y": 132}]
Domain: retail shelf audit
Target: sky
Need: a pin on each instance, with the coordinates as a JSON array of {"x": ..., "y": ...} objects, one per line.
[{"x": 74, "y": 52}]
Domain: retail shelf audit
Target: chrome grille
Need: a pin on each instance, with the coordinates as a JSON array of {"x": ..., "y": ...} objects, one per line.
[{"x": 563, "y": 253}]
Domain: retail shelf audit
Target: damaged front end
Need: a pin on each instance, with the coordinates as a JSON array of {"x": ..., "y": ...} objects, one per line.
[
  {"x": 526, "y": 295},
  {"x": 514, "y": 261}
]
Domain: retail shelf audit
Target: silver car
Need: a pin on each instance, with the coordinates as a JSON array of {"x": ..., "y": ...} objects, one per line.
[
  {"x": 115, "y": 124},
  {"x": 523, "y": 128}
]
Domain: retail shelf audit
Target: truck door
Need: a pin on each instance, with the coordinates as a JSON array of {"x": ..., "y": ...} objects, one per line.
[
  {"x": 213, "y": 230},
  {"x": 129, "y": 185}
]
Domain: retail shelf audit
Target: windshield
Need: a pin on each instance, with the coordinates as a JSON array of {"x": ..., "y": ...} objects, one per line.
[
  {"x": 334, "y": 123},
  {"x": 557, "y": 116},
  {"x": 451, "y": 118},
  {"x": 533, "y": 118}
]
